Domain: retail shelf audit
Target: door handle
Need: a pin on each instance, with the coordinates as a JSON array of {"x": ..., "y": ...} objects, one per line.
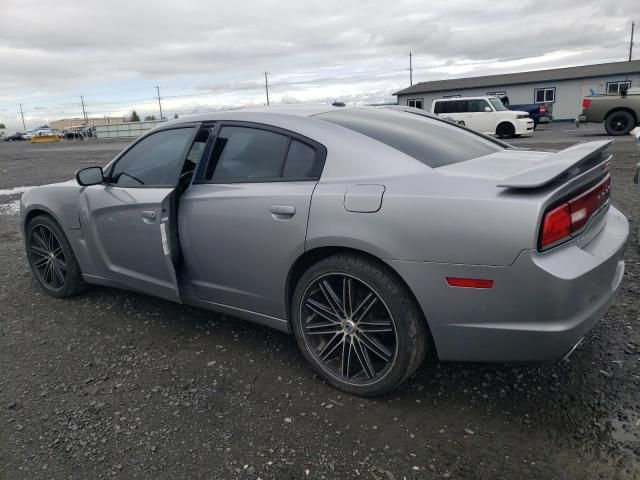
[
  {"x": 148, "y": 215},
  {"x": 282, "y": 212}
]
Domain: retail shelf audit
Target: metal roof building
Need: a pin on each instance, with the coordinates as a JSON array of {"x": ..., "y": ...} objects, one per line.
[{"x": 563, "y": 87}]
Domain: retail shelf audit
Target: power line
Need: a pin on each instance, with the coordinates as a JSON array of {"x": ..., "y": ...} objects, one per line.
[
  {"x": 159, "y": 103},
  {"x": 158, "y": 98},
  {"x": 124, "y": 102}
]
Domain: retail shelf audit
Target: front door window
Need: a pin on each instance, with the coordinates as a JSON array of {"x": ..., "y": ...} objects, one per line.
[{"x": 156, "y": 160}]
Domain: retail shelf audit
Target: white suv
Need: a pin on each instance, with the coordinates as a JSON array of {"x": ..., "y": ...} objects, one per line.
[{"x": 484, "y": 114}]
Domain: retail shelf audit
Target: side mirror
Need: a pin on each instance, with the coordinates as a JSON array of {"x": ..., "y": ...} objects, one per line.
[
  {"x": 89, "y": 176},
  {"x": 488, "y": 109}
]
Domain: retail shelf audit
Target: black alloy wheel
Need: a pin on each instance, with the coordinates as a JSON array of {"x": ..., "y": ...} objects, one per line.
[
  {"x": 47, "y": 257},
  {"x": 619, "y": 123},
  {"x": 348, "y": 328},
  {"x": 51, "y": 258},
  {"x": 358, "y": 325}
]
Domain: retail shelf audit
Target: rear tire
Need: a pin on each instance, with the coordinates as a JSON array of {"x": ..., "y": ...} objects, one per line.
[
  {"x": 51, "y": 258},
  {"x": 357, "y": 325},
  {"x": 619, "y": 123},
  {"x": 505, "y": 130}
]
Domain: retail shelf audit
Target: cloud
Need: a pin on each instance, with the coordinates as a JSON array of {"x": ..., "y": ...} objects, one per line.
[{"x": 112, "y": 51}]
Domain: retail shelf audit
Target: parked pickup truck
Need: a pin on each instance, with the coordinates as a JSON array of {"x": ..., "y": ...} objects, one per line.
[
  {"x": 620, "y": 113},
  {"x": 538, "y": 112}
]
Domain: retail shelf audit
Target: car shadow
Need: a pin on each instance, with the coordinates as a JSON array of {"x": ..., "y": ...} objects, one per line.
[{"x": 564, "y": 396}]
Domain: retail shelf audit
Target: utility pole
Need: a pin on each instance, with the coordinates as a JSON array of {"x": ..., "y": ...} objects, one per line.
[
  {"x": 410, "y": 68},
  {"x": 633, "y": 24},
  {"x": 159, "y": 103},
  {"x": 22, "y": 115},
  {"x": 266, "y": 86},
  {"x": 84, "y": 112}
]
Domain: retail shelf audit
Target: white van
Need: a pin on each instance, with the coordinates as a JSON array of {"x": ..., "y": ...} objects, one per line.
[{"x": 484, "y": 114}]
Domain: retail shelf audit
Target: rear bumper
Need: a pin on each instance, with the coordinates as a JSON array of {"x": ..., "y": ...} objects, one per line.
[
  {"x": 581, "y": 119},
  {"x": 538, "y": 307},
  {"x": 544, "y": 119}
]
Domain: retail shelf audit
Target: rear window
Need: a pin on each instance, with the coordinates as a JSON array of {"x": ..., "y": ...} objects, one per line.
[
  {"x": 451, "y": 106},
  {"x": 435, "y": 143}
]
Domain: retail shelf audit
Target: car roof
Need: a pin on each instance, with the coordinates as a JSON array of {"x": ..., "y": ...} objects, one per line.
[
  {"x": 295, "y": 110},
  {"x": 299, "y": 110}
]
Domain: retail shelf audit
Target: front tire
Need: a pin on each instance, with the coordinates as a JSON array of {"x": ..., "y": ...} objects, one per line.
[
  {"x": 619, "y": 123},
  {"x": 357, "y": 325},
  {"x": 505, "y": 130},
  {"x": 51, "y": 258}
]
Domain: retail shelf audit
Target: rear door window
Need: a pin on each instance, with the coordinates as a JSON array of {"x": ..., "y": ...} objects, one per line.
[
  {"x": 248, "y": 154},
  {"x": 477, "y": 105},
  {"x": 302, "y": 162},
  {"x": 459, "y": 106}
]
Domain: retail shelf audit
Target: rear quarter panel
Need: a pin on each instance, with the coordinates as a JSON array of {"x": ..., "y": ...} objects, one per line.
[{"x": 427, "y": 217}]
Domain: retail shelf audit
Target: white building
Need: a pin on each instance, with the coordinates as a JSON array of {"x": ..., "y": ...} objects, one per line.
[{"x": 563, "y": 87}]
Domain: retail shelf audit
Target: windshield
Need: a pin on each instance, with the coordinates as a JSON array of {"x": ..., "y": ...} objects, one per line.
[
  {"x": 497, "y": 104},
  {"x": 434, "y": 142}
]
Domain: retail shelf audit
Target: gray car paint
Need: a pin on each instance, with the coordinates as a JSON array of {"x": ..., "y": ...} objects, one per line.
[
  {"x": 237, "y": 251},
  {"x": 126, "y": 228},
  {"x": 426, "y": 225}
]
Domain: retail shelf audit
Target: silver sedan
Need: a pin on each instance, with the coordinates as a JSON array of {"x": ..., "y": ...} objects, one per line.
[{"x": 377, "y": 236}]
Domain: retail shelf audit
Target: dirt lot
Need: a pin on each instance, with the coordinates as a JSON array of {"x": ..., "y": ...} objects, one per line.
[{"x": 115, "y": 384}]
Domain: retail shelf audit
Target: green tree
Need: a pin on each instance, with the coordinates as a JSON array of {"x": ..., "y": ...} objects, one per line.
[
  {"x": 149, "y": 118},
  {"x": 134, "y": 117},
  {"x": 2, "y": 125}
]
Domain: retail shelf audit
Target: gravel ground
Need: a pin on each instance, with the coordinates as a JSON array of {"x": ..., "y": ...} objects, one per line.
[{"x": 116, "y": 384}]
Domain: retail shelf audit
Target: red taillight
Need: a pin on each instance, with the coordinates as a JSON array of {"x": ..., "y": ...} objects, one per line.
[
  {"x": 569, "y": 217},
  {"x": 469, "y": 282},
  {"x": 543, "y": 109},
  {"x": 585, "y": 103},
  {"x": 556, "y": 225}
]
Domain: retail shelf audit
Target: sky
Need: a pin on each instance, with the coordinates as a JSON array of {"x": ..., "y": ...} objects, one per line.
[{"x": 209, "y": 54}]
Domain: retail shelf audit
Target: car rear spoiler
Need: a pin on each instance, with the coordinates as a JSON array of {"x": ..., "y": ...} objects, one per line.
[{"x": 556, "y": 165}]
